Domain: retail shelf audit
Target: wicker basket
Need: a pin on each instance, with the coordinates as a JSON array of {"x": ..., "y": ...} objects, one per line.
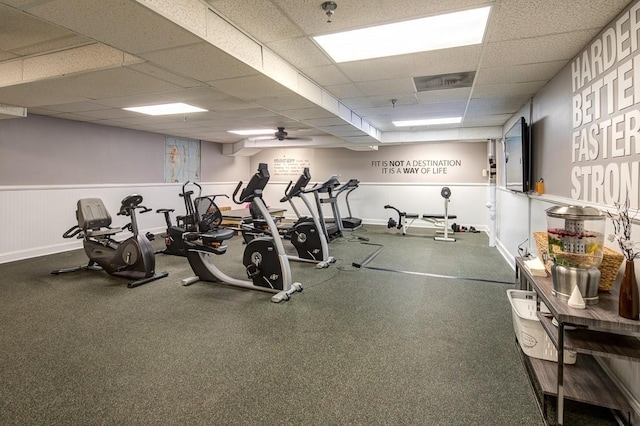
[{"x": 611, "y": 261}]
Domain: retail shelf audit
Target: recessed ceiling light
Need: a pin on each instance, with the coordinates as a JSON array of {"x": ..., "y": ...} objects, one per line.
[
  {"x": 418, "y": 35},
  {"x": 252, "y": 132},
  {"x": 166, "y": 109},
  {"x": 427, "y": 122}
]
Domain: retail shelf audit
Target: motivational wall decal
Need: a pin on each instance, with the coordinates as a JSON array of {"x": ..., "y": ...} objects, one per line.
[
  {"x": 605, "y": 143},
  {"x": 288, "y": 165},
  {"x": 415, "y": 167}
]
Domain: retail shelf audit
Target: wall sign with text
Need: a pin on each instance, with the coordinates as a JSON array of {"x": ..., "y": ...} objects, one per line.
[{"x": 605, "y": 143}]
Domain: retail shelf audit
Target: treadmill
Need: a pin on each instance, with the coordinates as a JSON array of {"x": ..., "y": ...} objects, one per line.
[
  {"x": 331, "y": 228},
  {"x": 349, "y": 223}
]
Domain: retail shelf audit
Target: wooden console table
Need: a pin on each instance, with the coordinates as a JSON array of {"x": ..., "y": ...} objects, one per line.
[{"x": 600, "y": 331}]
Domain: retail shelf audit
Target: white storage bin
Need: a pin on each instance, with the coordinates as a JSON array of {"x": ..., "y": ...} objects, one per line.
[{"x": 533, "y": 340}]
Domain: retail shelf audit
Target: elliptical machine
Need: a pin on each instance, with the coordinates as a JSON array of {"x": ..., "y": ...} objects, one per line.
[
  {"x": 132, "y": 258},
  {"x": 264, "y": 258},
  {"x": 306, "y": 234}
]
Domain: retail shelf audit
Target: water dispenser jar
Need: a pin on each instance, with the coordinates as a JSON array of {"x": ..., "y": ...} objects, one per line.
[{"x": 576, "y": 242}]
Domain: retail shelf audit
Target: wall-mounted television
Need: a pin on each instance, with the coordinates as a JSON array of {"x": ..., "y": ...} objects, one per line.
[{"x": 517, "y": 155}]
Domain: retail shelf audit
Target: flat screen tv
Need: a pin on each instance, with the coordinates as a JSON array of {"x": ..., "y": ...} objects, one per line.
[{"x": 517, "y": 155}]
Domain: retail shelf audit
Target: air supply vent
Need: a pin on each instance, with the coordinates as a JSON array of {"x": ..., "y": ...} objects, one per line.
[{"x": 444, "y": 81}]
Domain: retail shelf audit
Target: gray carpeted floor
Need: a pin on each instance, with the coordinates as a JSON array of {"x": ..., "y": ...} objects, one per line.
[{"x": 357, "y": 346}]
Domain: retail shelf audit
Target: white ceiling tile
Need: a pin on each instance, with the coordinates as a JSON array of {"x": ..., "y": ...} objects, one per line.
[
  {"x": 110, "y": 83},
  {"x": 485, "y": 120},
  {"x": 134, "y": 100},
  {"x": 519, "y": 73},
  {"x": 306, "y": 113},
  {"x": 345, "y": 91},
  {"x": 380, "y": 102},
  {"x": 29, "y": 95},
  {"x": 284, "y": 103},
  {"x": 549, "y": 48},
  {"x": 251, "y": 87},
  {"x": 20, "y": 30},
  {"x": 393, "y": 87},
  {"x": 5, "y": 56},
  {"x": 326, "y": 75},
  {"x": 76, "y": 107},
  {"x": 202, "y": 62},
  {"x": 418, "y": 64},
  {"x": 458, "y": 94},
  {"x": 195, "y": 94},
  {"x": 139, "y": 29},
  {"x": 251, "y": 113},
  {"x": 324, "y": 122},
  {"x": 521, "y": 19},
  {"x": 224, "y": 104},
  {"x": 262, "y": 19},
  {"x": 169, "y": 77},
  {"x": 87, "y": 58},
  {"x": 300, "y": 52},
  {"x": 507, "y": 89},
  {"x": 497, "y": 105}
]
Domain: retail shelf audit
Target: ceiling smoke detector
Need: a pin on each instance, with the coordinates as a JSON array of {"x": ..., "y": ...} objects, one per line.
[{"x": 329, "y": 7}]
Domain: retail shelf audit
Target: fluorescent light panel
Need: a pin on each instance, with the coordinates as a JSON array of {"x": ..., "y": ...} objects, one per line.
[
  {"x": 166, "y": 109},
  {"x": 418, "y": 35},
  {"x": 427, "y": 122},
  {"x": 252, "y": 132}
]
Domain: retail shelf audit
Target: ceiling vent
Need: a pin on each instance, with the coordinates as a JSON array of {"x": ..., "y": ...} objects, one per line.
[{"x": 444, "y": 81}]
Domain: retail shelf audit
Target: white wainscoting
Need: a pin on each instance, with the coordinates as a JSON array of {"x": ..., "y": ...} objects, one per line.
[
  {"x": 33, "y": 218},
  {"x": 367, "y": 202}
]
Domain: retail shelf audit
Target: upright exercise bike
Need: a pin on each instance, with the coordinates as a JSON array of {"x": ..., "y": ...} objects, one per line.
[
  {"x": 264, "y": 258},
  {"x": 132, "y": 258},
  {"x": 306, "y": 234}
]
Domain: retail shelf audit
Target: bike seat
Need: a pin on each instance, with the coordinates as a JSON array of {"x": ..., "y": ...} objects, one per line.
[
  {"x": 101, "y": 232},
  {"x": 219, "y": 234}
]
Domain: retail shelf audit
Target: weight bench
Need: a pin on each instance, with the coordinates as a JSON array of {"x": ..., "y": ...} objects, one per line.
[
  {"x": 440, "y": 222},
  {"x": 405, "y": 220}
]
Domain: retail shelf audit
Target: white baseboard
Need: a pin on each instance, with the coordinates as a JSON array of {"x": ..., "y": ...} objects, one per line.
[{"x": 58, "y": 248}]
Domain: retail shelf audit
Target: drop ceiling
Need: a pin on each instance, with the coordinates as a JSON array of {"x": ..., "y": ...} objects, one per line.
[{"x": 253, "y": 64}]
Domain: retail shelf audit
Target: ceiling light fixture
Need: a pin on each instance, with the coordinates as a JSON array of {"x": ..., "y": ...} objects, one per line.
[
  {"x": 418, "y": 35},
  {"x": 427, "y": 122},
  {"x": 252, "y": 132},
  {"x": 166, "y": 109}
]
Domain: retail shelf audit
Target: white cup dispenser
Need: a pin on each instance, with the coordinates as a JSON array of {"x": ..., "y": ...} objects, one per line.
[{"x": 576, "y": 241}]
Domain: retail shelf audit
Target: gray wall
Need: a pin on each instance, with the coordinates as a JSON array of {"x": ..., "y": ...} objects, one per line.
[
  {"x": 40, "y": 150},
  {"x": 586, "y": 122}
]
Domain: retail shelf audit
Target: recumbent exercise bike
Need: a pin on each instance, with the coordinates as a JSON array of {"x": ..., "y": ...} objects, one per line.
[{"x": 132, "y": 258}]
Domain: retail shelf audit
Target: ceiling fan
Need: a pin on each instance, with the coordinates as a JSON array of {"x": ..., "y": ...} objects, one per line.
[{"x": 282, "y": 135}]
